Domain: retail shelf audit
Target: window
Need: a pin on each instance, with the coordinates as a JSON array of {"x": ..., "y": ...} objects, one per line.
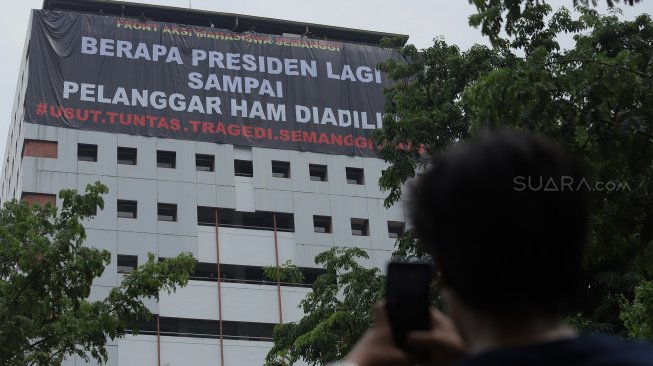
[
  {"x": 127, "y": 263},
  {"x": 127, "y": 209},
  {"x": 354, "y": 176},
  {"x": 86, "y": 152},
  {"x": 322, "y": 224},
  {"x": 259, "y": 220},
  {"x": 127, "y": 155},
  {"x": 166, "y": 159},
  {"x": 280, "y": 169},
  {"x": 167, "y": 211},
  {"x": 311, "y": 274},
  {"x": 317, "y": 172},
  {"x": 359, "y": 227},
  {"x": 205, "y": 328},
  {"x": 204, "y": 163},
  {"x": 206, "y": 216},
  {"x": 40, "y": 148},
  {"x": 395, "y": 229},
  {"x": 243, "y": 168},
  {"x": 39, "y": 198},
  {"x": 238, "y": 273}
]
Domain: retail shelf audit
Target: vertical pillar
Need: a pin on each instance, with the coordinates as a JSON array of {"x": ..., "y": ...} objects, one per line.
[
  {"x": 276, "y": 253},
  {"x": 217, "y": 260},
  {"x": 158, "y": 340}
]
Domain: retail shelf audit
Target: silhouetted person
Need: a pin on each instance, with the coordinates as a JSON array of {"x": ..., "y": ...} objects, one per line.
[{"x": 508, "y": 251}]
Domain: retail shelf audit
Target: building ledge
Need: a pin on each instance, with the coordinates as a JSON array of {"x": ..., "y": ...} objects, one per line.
[{"x": 234, "y": 22}]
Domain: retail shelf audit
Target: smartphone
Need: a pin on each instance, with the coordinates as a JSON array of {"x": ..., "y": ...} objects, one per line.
[{"x": 407, "y": 300}]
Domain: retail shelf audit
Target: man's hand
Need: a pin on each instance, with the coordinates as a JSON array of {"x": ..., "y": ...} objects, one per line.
[
  {"x": 443, "y": 340},
  {"x": 376, "y": 347}
]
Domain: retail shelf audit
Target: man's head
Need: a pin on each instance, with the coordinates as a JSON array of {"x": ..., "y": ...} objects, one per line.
[{"x": 504, "y": 243}]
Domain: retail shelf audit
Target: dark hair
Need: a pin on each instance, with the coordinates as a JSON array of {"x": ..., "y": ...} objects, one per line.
[{"x": 504, "y": 244}]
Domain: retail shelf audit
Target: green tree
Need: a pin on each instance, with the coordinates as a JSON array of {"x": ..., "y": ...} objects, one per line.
[
  {"x": 287, "y": 273},
  {"x": 336, "y": 312},
  {"x": 494, "y": 16},
  {"x": 595, "y": 99},
  {"x": 637, "y": 314},
  {"x": 45, "y": 281}
]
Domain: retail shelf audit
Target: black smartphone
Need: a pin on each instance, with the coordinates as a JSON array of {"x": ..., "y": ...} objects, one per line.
[{"x": 407, "y": 300}]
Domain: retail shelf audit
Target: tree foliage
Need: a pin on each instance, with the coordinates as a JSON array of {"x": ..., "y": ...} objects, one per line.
[
  {"x": 336, "y": 312},
  {"x": 45, "y": 282},
  {"x": 495, "y": 16},
  {"x": 423, "y": 106},
  {"x": 637, "y": 314},
  {"x": 596, "y": 99},
  {"x": 286, "y": 272}
]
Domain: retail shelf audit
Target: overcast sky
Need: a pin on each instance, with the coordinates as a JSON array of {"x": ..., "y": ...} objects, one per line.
[{"x": 422, "y": 20}]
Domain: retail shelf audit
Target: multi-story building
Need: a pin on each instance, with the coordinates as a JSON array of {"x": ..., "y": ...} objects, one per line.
[{"x": 273, "y": 204}]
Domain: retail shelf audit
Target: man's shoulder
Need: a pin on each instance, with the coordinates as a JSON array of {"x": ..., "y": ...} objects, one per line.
[{"x": 584, "y": 350}]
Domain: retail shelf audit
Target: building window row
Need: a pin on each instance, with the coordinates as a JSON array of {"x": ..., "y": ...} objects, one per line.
[
  {"x": 265, "y": 220},
  {"x": 258, "y": 220},
  {"x": 203, "y": 162},
  {"x": 234, "y": 273},
  {"x": 204, "y": 328},
  {"x": 128, "y": 209},
  {"x": 359, "y": 227},
  {"x": 249, "y": 274}
]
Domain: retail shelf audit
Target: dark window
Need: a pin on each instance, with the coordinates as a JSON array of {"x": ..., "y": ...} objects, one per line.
[
  {"x": 127, "y": 209},
  {"x": 204, "y": 163},
  {"x": 280, "y": 169},
  {"x": 317, "y": 172},
  {"x": 204, "y": 328},
  {"x": 166, "y": 159},
  {"x": 205, "y": 216},
  {"x": 359, "y": 227},
  {"x": 127, "y": 263},
  {"x": 248, "y": 274},
  {"x": 86, "y": 152},
  {"x": 311, "y": 274},
  {"x": 127, "y": 155},
  {"x": 322, "y": 224},
  {"x": 243, "y": 168},
  {"x": 395, "y": 229},
  {"x": 259, "y": 220},
  {"x": 40, "y": 148},
  {"x": 354, "y": 176},
  {"x": 167, "y": 211}
]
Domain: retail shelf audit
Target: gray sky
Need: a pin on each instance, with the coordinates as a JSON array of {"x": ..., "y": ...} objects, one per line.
[{"x": 422, "y": 20}]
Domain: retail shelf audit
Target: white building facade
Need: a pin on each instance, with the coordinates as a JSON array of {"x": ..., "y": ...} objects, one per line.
[{"x": 163, "y": 194}]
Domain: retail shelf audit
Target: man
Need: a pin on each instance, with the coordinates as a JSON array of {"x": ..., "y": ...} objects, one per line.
[{"x": 505, "y": 218}]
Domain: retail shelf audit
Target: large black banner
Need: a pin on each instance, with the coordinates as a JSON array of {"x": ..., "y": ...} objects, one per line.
[{"x": 166, "y": 80}]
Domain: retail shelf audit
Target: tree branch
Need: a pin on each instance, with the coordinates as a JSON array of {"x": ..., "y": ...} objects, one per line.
[{"x": 569, "y": 60}]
